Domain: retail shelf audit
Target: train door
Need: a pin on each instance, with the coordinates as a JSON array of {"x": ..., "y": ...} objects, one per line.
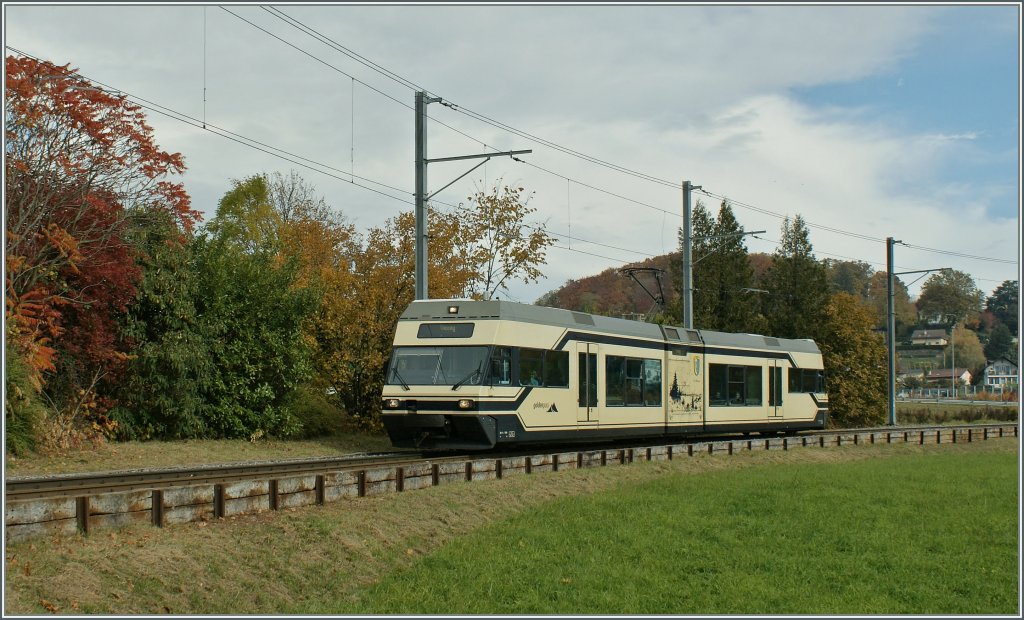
[
  {"x": 587, "y": 373},
  {"x": 774, "y": 388}
]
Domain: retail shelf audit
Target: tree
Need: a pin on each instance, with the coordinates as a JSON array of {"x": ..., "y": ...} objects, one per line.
[
  {"x": 851, "y": 277},
  {"x": 969, "y": 352},
  {"x": 81, "y": 171},
  {"x": 855, "y": 362},
  {"x": 354, "y": 333},
  {"x": 1004, "y": 304},
  {"x": 797, "y": 285},
  {"x": 904, "y": 312},
  {"x": 734, "y": 307},
  {"x": 1000, "y": 343},
  {"x": 949, "y": 296},
  {"x": 499, "y": 243},
  {"x": 162, "y": 393}
]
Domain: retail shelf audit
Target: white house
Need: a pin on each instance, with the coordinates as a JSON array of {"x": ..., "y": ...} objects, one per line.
[
  {"x": 930, "y": 337},
  {"x": 1002, "y": 372},
  {"x": 944, "y": 375}
]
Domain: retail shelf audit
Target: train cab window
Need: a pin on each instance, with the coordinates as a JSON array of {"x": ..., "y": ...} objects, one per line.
[
  {"x": 632, "y": 382},
  {"x": 500, "y": 367},
  {"x": 734, "y": 386}
]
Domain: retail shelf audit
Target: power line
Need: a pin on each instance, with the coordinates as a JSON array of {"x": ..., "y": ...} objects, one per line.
[
  {"x": 348, "y": 75},
  {"x": 240, "y": 139}
]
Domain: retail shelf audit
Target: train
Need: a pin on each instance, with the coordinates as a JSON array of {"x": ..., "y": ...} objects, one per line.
[{"x": 478, "y": 375}]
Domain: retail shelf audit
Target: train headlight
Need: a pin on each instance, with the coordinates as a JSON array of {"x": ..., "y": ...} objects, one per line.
[
  {"x": 465, "y": 403},
  {"x": 392, "y": 403},
  {"x": 453, "y": 309}
]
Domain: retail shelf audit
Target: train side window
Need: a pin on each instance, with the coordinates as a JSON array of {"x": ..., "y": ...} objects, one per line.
[
  {"x": 795, "y": 380},
  {"x": 500, "y": 369},
  {"x": 652, "y": 383},
  {"x": 531, "y": 366},
  {"x": 615, "y": 380},
  {"x": 735, "y": 386},
  {"x": 754, "y": 394},
  {"x": 634, "y": 382},
  {"x": 718, "y": 385},
  {"x": 556, "y": 369}
]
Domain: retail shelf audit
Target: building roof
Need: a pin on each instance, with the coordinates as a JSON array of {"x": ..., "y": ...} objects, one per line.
[
  {"x": 929, "y": 333},
  {"x": 944, "y": 372}
]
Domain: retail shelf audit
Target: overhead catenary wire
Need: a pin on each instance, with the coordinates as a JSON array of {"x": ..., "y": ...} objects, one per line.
[{"x": 508, "y": 128}]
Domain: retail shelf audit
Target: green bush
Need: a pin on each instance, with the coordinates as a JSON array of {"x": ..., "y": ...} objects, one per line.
[
  {"x": 23, "y": 411},
  {"x": 317, "y": 416}
]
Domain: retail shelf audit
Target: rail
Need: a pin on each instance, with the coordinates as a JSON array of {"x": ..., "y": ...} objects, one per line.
[{"x": 69, "y": 503}]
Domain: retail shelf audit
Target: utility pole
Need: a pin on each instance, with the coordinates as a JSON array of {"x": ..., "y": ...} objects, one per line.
[
  {"x": 421, "y": 192},
  {"x": 421, "y": 185},
  {"x": 890, "y": 328},
  {"x": 687, "y": 256}
]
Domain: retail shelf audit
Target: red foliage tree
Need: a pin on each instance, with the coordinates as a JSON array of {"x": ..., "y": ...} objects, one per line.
[{"x": 82, "y": 168}]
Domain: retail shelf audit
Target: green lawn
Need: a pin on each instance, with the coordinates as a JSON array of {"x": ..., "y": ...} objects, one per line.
[{"x": 925, "y": 534}]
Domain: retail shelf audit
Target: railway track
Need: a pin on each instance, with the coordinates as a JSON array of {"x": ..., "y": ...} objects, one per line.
[{"x": 66, "y": 503}]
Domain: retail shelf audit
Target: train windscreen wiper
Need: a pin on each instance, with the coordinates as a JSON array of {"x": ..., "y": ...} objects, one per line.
[
  {"x": 394, "y": 373},
  {"x": 467, "y": 377}
]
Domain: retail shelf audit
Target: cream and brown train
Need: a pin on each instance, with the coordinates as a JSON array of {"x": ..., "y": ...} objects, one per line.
[{"x": 472, "y": 375}]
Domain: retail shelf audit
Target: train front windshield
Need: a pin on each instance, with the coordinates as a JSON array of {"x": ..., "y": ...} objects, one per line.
[{"x": 452, "y": 366}]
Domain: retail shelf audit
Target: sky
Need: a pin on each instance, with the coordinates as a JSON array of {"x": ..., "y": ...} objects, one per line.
[{"x": 869, "y": 121}]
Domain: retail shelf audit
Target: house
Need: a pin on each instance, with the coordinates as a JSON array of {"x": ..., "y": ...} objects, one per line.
[
  {"x": 930, "y": 337},
  {"x": 943, "y": 376},
  {"x": 1001, "y": 372}
]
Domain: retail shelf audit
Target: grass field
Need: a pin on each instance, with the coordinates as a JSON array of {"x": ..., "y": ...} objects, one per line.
[
  {"x": 858, "y": 530},
  {"x": 931, "y": 534}
]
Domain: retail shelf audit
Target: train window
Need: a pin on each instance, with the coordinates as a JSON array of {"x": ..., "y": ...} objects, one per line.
[
  {"x": 500, "y": 368},
  {"x": 556, "y": 369},
  {"x": 531, "y": 365},
  {"x": 436, "y": 365},
  {"x": 632, "y": 382},
  {"x": 806, "y": 380},
  {"x": 445, "y": 330},
  {"x": 588, "y": 379},
  {"x": 774, "y": 387},
  {"x": 735, "y": 386},
  {"x": 652, "y": 382},
  {"x": 615, "y": 381}
]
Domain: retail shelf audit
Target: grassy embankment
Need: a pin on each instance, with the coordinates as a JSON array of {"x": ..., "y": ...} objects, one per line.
[{"x": 860, "y": 530}]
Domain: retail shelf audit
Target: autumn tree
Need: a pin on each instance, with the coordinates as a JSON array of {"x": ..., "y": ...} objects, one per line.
[
  {"x": 966, "y": 348},
  {"x": 949, "y": 296},
  {"x": 81, "y": 170},
  {"x": 797, "y": 287},
  {"x": 855, "y": 362},
  {"x": 355, "y": 332},
  {"x": 499, "y": 241}
]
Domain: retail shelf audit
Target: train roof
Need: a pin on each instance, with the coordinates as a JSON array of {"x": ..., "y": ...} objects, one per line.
[{"x": 440, "y": 309}]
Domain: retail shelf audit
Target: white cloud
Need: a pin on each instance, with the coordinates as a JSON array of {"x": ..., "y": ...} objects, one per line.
[{"x": 678, "y": 92}]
